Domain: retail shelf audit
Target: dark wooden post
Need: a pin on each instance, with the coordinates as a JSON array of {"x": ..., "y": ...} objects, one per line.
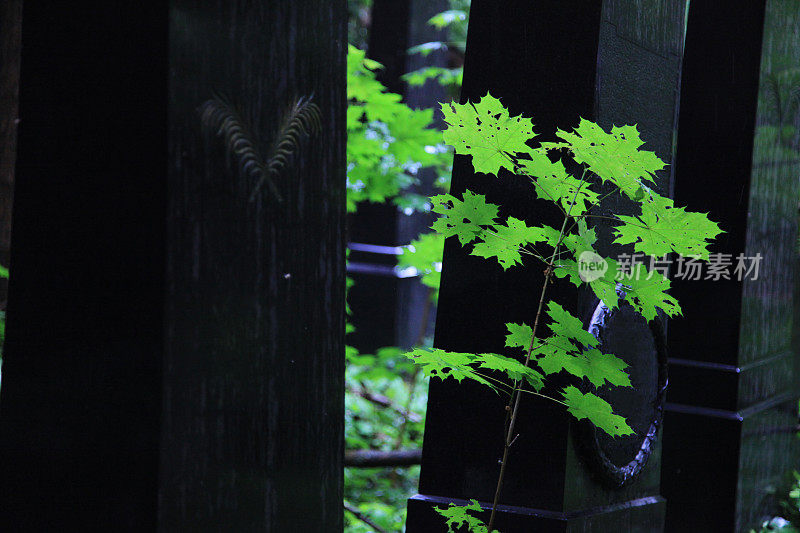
[
  {"x": 389, "y": 309},
  {"x": 10, "y": 30},
  {"x": 175, "y": 352},
  {"x": 729, "y": 433},
  {"x": 615, "y": 62}
]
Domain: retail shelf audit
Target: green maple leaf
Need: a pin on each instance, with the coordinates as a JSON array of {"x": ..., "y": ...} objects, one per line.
[
  {"x": 516, "y": 232},
  {"x": 570, "y": 192},
  {"x": 613, "y": 156},
  {"x": 458, "y": 517},
  {"x": 519, "y": 335},
  {"x": 648, "y": 295},
  {"x": 503, "y": 242},
  {"x": 442, "y": 364},
  {"x": 566, "y": 325},
  {"x": 663, "y": 228},
  {"x": 511, "y": 367},
  {"x": 552, "y": 351},
  {"x": 462, "y": 218},
  {"x": 539, "y": 165},
  {"x": 486, "y": 132},
  {"x": 556, "y": 343},
  {"x": 494, "y": 247},
  {"x": 580, "y": 242},
  {"x": 604, "y": 287},
  {"x": 596, "y": 366},
  {"x": 605, "y": 367},
  {"x": 596, "y": 410},
  {"x": 411, "y": 133},
  {"x": 555, "y": 184},
  {"x": 567, "y": 268}
]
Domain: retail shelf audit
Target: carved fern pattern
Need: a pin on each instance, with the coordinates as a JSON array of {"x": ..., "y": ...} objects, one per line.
[{"x": 302, "y": 120}]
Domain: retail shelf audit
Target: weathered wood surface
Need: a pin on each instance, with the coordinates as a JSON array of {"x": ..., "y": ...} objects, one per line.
[
  {"x": 10, "y": 38},
  {"x": 175, "y": 353},
  {"x": 254, "y": 366},
  {"x": 729, "y": 432}
]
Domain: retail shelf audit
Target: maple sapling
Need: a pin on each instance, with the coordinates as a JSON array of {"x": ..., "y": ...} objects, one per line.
[{"x": 497, "y": 141}]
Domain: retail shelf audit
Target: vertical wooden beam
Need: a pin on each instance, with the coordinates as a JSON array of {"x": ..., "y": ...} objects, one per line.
[
  {"x": 175, "y": 352},
  {"x": 10, "y": 34},
  {"x": 731, "y": 419},
  {"x": 254, "y": 362}
]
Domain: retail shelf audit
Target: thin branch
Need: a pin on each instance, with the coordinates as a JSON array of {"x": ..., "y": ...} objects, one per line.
[
  {"x": 363, "y": 518},
  {"x": 383, "y": 401},
  {"x": 378, "y": 458},
  {"x": 515, "y": 396}
]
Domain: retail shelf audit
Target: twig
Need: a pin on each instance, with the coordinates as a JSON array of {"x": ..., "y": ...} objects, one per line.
[
  {"x": 516, "y": 396},
  {"x": 358, "y": 514},
  {"x": 383, "y": 401}
]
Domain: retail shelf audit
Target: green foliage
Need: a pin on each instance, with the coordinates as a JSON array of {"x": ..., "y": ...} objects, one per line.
[
  {"x": 594, "y": 365},
  {"x": 385, "y": 401},
  {"x": 487, "y": 132},
  {"x": 556, "y": 185},
  {"x": 462, "y": 218},
  {"x": 484, "y": 131},
  {"x": 443, "y": 364},
  {"x": 504, "y": 242},
  {"x": 519, "y": 336},
  {"x": 425, "y": 255},
  {"x": 790, "y": 521},
  {"x": 458, "y": 516},
  {"x": 455, "y": 21},
  {"x": 384, "y": 410},
  {"x": 443, "y": 75},
  {"x": 495, "y": 140},
  {"x": 648, "y": 293},
  {"x": 387, "y": 141},
  {"x": 570, "y": 349},
  {"x": 566, "y": 325},
  {"x": 663, "y": 228},
  {"x": 472, "y": 218},
  {"x": 613, "y": 156},
  {"x": 448, "y": 18},
  {"x": 596, "y": 410}
]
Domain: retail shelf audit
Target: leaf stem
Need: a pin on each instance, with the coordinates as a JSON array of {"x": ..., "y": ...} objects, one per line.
[{"x": 534, "y": 393}]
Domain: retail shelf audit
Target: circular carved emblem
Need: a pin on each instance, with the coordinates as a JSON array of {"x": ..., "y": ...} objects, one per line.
[{"x": 626, "y": 334}]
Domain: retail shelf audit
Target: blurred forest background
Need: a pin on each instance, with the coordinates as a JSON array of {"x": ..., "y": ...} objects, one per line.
[{"x": 404, "y": 58}]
